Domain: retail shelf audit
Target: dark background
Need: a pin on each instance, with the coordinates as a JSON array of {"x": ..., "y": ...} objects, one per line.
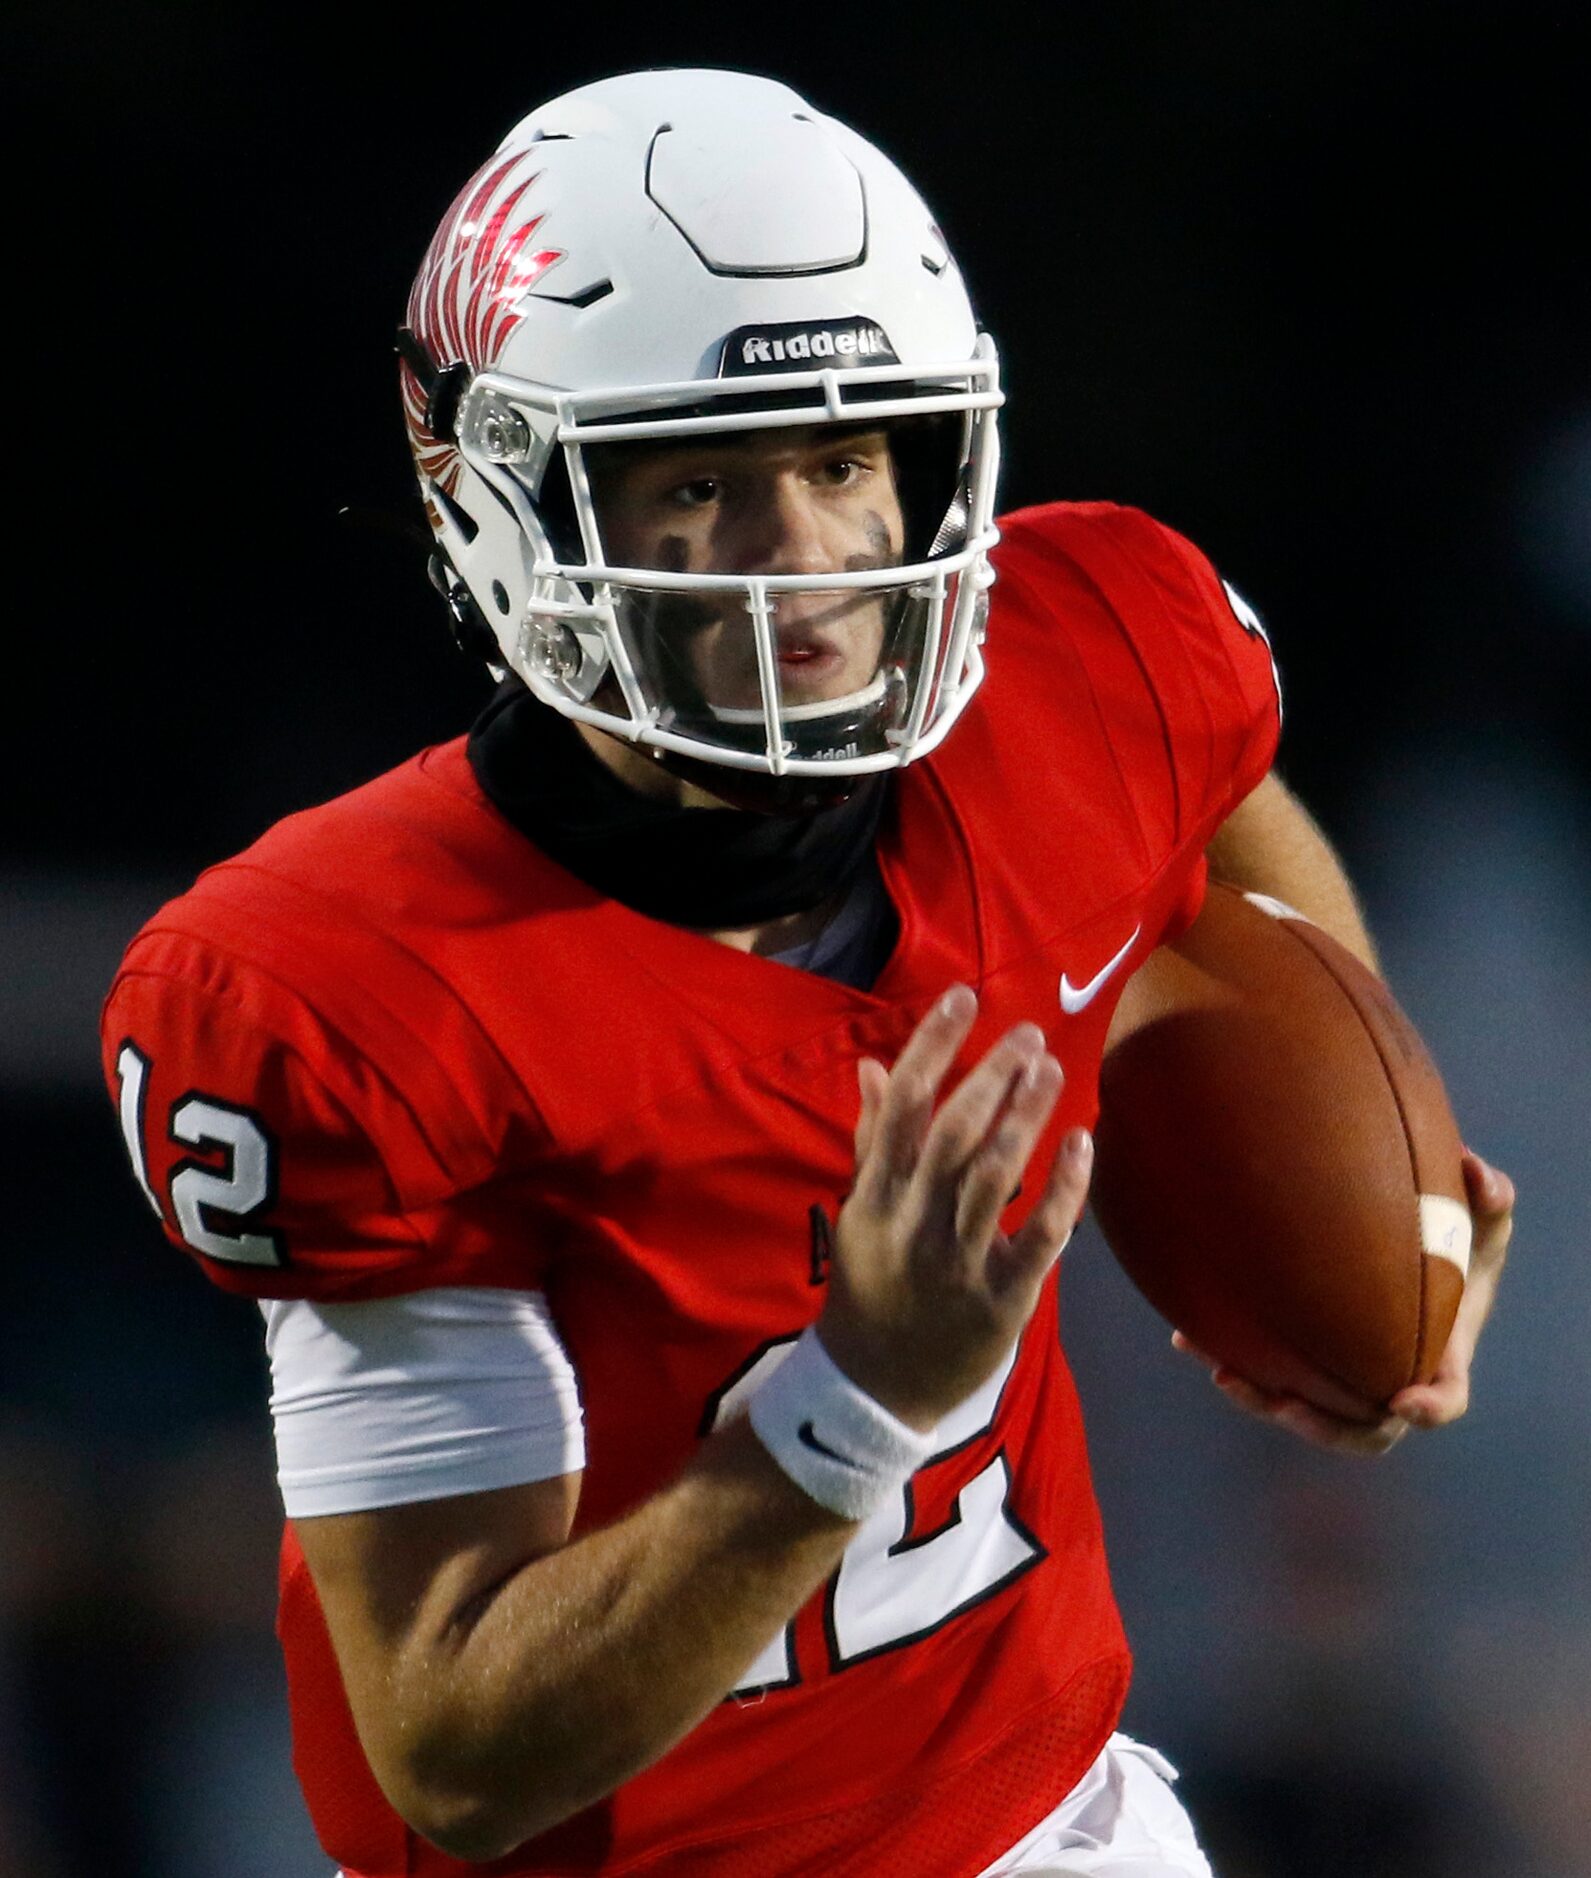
[{"x": 1310, "y": 283}]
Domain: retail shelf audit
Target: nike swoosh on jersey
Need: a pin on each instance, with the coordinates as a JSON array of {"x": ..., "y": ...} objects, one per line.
[
  {"x": 1075, "y": 997},
  {"x": 808, "y": 1439}
]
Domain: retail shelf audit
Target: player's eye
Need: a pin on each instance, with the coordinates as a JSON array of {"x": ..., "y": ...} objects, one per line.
[
  {"x": 697, "y": 493},
  {"x": 838, "y": 471}
]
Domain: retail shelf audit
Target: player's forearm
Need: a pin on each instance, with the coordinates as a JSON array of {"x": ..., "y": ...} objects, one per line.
[
  {"x": 584, "y": 1666},
  {"x": 503, "y": 1678},
  {"x": 1271, "y": 844}
]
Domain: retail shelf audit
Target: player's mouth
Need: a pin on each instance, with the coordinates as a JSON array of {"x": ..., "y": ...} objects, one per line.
[
  {"x": 813, "y": 658},
  {"x": 810, "y": 668}
]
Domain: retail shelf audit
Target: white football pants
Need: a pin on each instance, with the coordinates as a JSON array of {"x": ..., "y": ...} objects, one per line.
[{"x": 1121, "y": 1820}]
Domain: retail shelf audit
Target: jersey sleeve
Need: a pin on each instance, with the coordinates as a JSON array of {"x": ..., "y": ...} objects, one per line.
[
  {"x": 1179, "y": 665},
  {"x": 1232, "y": 662},
  {"x": 283, "y": 1160}
]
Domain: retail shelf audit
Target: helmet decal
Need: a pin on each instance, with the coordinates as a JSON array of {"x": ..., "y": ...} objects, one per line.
[{"x": 466, "y": 297}]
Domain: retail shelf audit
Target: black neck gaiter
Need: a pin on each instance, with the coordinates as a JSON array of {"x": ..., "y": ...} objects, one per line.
[{"x": 714, "y": 869}]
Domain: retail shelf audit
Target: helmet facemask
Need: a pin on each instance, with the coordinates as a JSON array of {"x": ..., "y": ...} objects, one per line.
[{"x": 842, "y": 672}]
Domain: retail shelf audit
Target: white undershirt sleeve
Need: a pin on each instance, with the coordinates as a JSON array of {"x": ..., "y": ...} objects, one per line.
[{"x": 418, "y": 1398}]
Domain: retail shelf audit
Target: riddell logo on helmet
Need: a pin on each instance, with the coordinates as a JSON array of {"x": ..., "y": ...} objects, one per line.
[
  {"x": 751, "y": 349},
  {"x": 864, "y": 343}
]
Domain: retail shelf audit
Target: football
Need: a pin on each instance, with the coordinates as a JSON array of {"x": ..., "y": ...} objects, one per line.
[{"x": 1277, "y": 1167}]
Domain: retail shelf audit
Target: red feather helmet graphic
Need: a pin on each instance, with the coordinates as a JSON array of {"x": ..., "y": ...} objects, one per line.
[{"x": 466, "y": 297}]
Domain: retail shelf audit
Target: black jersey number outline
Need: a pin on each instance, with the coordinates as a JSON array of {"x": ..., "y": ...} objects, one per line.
[
  {"x": 895, "y": 1586},
  {"x": 219, "y": 1211}
]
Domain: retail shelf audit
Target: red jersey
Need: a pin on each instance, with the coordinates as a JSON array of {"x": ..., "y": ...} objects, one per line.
[{"x": 393, "y": 1046}]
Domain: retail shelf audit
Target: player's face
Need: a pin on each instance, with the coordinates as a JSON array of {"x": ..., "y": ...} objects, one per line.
[{"x": 799, "y": 501}]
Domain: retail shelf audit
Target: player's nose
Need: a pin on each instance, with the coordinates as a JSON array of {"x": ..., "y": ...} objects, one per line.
[{"x": 785, "y": 534}]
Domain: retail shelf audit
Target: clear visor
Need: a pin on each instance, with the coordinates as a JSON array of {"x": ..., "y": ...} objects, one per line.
[{"x": 819, "y": 675}]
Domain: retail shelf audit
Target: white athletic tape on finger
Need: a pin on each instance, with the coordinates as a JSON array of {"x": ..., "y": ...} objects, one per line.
[
  {"x": 834, "y": 1441},
  {"x": 1446, "y": 1229}
]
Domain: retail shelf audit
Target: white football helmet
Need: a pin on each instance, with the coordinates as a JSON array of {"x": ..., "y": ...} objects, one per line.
[{"x": 667, "y": 256}]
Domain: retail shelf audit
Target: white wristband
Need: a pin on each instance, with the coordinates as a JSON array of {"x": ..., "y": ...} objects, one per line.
[{"x": 833, "y": 1440}]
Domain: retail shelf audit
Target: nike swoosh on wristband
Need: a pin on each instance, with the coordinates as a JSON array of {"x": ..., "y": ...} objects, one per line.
[
  {"x": 1075, "y": 997},
  {"x": 808, "y": 1439}
]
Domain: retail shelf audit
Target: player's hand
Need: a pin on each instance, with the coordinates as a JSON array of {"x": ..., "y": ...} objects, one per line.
[
  {"x": 1446, "y": 1396},
  {"x": 1316, "y": 1425},
  {"x": 1422, "y": 1405},
  {"x": 926, "y": 1294}
]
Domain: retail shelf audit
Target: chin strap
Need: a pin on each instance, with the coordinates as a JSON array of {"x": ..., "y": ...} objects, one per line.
[
  {"x": 758, "y": 794},
  {"x": 471, "y": 634}
]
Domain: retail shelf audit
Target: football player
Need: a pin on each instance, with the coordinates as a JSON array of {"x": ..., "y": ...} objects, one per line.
[{"x": 643, "y": 1120}]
